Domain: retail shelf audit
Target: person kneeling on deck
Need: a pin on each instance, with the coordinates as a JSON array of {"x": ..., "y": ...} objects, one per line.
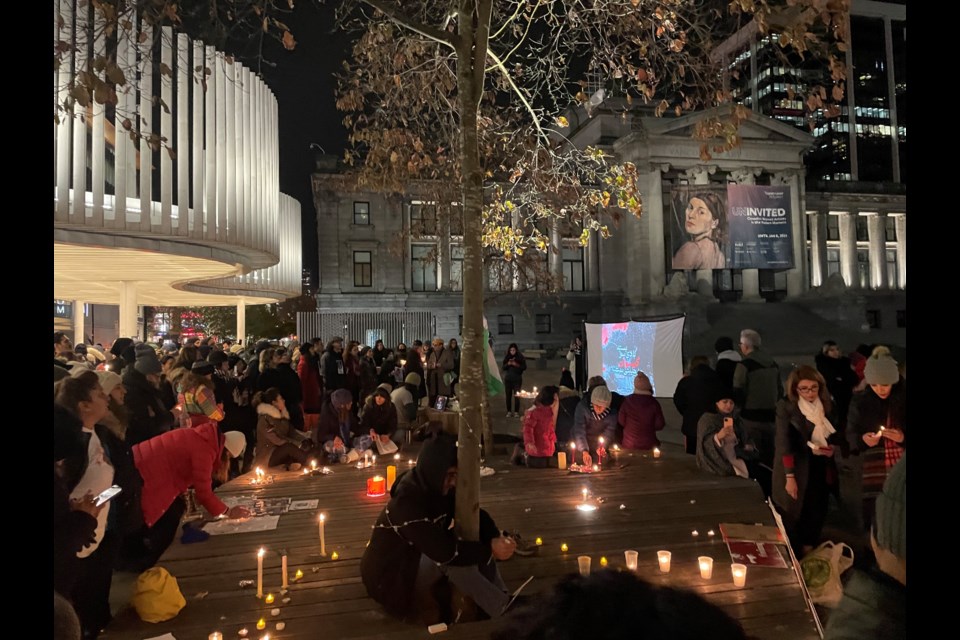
[{"x": 413, "y": 546}]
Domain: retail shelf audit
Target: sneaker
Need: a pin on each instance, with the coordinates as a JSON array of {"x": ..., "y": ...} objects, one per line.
[{"x": 487, "y": 471}]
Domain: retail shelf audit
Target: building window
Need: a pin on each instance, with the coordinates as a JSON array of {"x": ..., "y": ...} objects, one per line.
[
  {"x": 890, "y": 228},
  {"x": 362, "y": 269},
  {"x": 423, "y": 267},
  {"x": 863, "y": 231},
  {"x": 505, "y": 324},
  {"x": 573, "y": 269},
  {"x": 901, "y": 318},
  {"x": 833, "y": 261},
  {"x": 456, "y": 267},
  {"x": 873, "y": 318},
  {"x": 500, "y": 275},
  {"x": 892, "y": 270},
  {"x": 423, "y": 218},
  {"x": 361, "y": 213},
  {"x": 544, "y": 323},
  {"x": 863, "y": 268},
  {"x": 833, "y": 227}
]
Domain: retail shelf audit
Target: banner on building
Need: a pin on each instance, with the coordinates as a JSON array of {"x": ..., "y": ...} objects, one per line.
[
  {"x": 759, "y": 228},
  {"x": 736, "y": 226}
]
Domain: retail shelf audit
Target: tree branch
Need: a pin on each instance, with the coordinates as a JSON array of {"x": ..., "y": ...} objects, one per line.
[
  {"x": 414, "y": 25},
  {"x": 526, "y": 103}
]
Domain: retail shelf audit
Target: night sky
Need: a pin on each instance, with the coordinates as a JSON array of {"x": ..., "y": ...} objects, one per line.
[{"x": 303, "y": 83}]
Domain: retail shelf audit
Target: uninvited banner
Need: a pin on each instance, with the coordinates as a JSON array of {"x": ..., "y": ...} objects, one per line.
[{"x": 759, "y": 227}]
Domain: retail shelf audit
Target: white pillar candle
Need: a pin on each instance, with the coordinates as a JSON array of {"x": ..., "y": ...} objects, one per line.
[
  {"x": 706, "y": 567},
  {"x": 283, "y": 568},
  {"x": 739, "y": 572},
  {"x": 323, "y": 538},
  {"x": 260, "y": 572},
  {"x": 663, "y": 557}
]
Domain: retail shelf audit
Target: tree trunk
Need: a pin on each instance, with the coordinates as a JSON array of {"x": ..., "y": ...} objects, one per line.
[{"x": 470, "y": 53}]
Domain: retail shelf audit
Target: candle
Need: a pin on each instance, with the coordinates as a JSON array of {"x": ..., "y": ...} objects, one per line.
[
  {"x": 561, "y": 460},
  {"x": 711, "y": 533},
  {"x": 564, "y": 548},
  {"x": 323, "y": 537},
  {"x": 880, "y": 431},
  {"x": 243, "y": 632},
  {"x": 596, "y": 467},
  {"x": 656, "y": 452},
  {"x": 663, "y": 557},
  {"x": 391, "y": 476},
  {"x": 283, "y": 569},
  {"x": 376, "y": 486},
  {"x": 603, "y": 561},
  {"x": 306, "y": 471},
  {"x": 298, "y": 574},
  {"x": 313, "y": 464},
  {"x": 739, "y": 572},
  {"x": 410, "y": 462},
  {"x": 584, "y": 491},
  {"x": 706, "y": 567},
  {"x": 631, "y": 555},
  {"x": 269, "y": 598},
  {"x": 261, "y": 624},
  {"x": 260, "y": 572},
  {"x": 396, "y": 457},
  {"x": 373, "y": 459},
  {"x": 539, "y": 541},
  {"x": 216, "y": 635},
  {"x": 694, "y": 533},
  {"x": 334, "y": 556}
]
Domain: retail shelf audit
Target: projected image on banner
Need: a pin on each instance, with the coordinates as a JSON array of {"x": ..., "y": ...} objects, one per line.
[{"x": 617, "y": 351}]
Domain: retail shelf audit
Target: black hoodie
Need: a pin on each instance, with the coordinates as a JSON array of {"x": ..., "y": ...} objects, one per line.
[{"x": 416, "y": 522}]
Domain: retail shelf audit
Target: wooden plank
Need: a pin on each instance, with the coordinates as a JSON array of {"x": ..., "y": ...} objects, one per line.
[{"x": 664, "y": 501}]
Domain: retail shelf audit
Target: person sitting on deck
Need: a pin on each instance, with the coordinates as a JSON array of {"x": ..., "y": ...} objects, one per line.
[
  {"x": 540, "y": 430},
  {"x": 723, "y": 446},
  {"x": 278, "y": 441},
  {"x": 379, "y": 417},
  {"x": 413, "y": 545},
  {"x": 594, "y": 421}
]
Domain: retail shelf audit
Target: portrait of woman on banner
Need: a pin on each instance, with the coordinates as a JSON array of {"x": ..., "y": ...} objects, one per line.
[{"x": 702, "y": 218}]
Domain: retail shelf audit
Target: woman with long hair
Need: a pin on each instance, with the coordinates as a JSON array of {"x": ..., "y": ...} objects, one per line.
[
  {"x": 278, "y": 442},
  {"x": 514, "y": 364},
  {"x": 704, "y": 222},
  {"x": 803, "y": 467},
  {"x": 197, "y": 390},
  {"x": 336, "y": 426},
  {"x": 379, "y": 416}
]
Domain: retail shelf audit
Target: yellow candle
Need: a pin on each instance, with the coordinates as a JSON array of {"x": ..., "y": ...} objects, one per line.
[
  {"x": 561, "y": 460},
  {"x": 564, "y": 547},
  {"x": 261, "y": 624},
  {"x": 603, "y": 561},
  {"x": 298, "y": 574},
  {"x": 391, "y": 476},
  {"x": 334, "y": 555},
  {"x": 539, "y": 541},
  {"x": 269, "y": 598}
]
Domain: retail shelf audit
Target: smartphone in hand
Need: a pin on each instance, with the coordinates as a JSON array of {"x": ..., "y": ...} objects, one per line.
[{"x": 106, "y": 495}]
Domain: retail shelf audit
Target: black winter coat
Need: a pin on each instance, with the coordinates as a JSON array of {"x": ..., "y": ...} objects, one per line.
[
  {"x": 72, "y": 530},
  {"x": 148, "y": 416},
  {"x": 333, "y": 370},
  {"x": 697, "y": 394}
]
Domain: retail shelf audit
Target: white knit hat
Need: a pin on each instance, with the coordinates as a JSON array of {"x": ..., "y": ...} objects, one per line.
[{"x": 234, "y": 442}]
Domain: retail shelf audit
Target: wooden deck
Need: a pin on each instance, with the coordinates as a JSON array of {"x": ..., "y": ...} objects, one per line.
[{"x": 664, "y": 501}]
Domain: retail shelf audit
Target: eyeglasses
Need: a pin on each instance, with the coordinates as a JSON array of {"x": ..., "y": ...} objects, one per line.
[{"x": 811, "y": 389}]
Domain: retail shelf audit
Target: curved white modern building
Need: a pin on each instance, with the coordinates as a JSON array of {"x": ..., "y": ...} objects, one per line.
[{"x": 197, "y": 220}]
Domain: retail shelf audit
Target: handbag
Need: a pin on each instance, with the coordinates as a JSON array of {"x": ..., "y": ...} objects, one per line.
[{"x": 822, "y": 569}]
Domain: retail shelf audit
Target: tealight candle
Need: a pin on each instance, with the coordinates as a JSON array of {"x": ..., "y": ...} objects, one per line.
[
  {"x": 269, "y": 598},
  {"x": 313, "y": 464},
  {"x": 334, "y": 556},
  {"x": 298, "y": 574},
  {"x": 376, "y": 486},
  {"x": 410, "y": 462},
  {"x": 663, "y": 557},
  {"x": 564, "y": 548},
  {"x": 706, "y": 567},
  {"x": 739, "y": 572},
  {"x": 596, "y": 467},
  {"x": 603, "y": 561},
  {"x": 694, "y": 533},
  {"x": 656, "y": 452},
  {"x": 306, "y": 471},
  {"x": 396, "y": 456},
  {"x": 261, "y": 624},
  {"x": 631, "y": 556},
  {"x": 243, "y": 632},
  {"x": 216, "y": 635},
  {"x": 539, "y": 541},
  {"x": 711, "y": 533}
]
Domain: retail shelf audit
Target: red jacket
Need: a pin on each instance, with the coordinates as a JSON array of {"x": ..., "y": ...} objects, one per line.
[
  {"x": 539, "y": 429},
  {"x": 174, "y": 461},
  {"x": 641, "y": 417},
  {"x": 310, "y": 384}
]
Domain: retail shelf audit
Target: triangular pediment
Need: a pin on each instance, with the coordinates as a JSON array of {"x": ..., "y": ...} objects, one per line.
[{"x": 757, "y": 127}]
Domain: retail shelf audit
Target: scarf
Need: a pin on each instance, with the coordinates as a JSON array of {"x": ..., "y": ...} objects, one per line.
[
  {"x": 602, "y": 414},
  {"x": 822, "y": 429}
]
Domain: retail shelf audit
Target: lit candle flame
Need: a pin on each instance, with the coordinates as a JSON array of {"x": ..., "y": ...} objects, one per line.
[
  {"x": 564, "y": 547},
  {"x": 601, "y": 439},
  {"x": 261, "y": 553},
  {"x": 323, "y": 517},
  {"x": 539, "y": 541},
  {"x": 396, "y": 456},
  {"x": 584, "y": 491},
  {"x": 334, "y": 555}
]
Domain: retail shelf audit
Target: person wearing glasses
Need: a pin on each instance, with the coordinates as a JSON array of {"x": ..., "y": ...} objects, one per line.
[{"x": 803, "y": 468}]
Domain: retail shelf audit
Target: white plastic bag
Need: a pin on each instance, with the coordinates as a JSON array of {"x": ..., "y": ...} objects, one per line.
[{"x": 822, "y": 569}]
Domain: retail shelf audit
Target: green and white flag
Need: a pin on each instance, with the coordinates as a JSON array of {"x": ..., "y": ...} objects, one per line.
[{"x": 491, "y": 371}]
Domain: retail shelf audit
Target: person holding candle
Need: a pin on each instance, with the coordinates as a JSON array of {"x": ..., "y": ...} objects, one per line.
[
  {"x": 336, "y": 427},
  {"x": 883, "y": 403},
  {"x": 640, "y": 416},
  {"x": 404, "y": 399},
  {"x": 723, "y": 446},
  {"x": 413, "y": 546},
  {"x": 379, "y": 416},
  {"x": 804, "y": 469},
  {"x": 175, "y": 461},
  {"x": 278, "y": 442},
  {"x": 589, "y": 425},
  {"x": 514, "y": 364},
  {"x": 539, "y": 430}
]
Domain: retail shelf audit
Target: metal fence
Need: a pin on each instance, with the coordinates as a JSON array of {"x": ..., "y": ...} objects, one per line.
[{"x": 367, "y": 328}]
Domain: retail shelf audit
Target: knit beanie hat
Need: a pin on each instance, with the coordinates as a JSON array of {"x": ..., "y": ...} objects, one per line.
[
  {"x": 341, "y": 397},
  {"x": 234, "y": 442},
  {"x": 202, "y": 368},
  {"x": 881, "y": 369},
  {"x": 109, "y": 381},
  {"x": 601, "y": 396},
  {"x": 147, "y": 363},
  {"x": 641, "y": 383},
  {"x": 143, "y": 349},
  {"x": 412, "y": 378},
  {"x": 890, "y": 527},
  {"x": 723, "y": 343},
  {"x": 385, "y": 386},
  {"x": 120, "y": 345}
]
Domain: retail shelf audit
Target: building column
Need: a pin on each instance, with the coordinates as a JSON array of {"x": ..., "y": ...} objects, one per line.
[
  {"x": 796, "y": 276},
  {"x": 79, "y": 332},
  {"x": 655, "y": 245},
  {"x": 592, "y": 263},
  {"x": 848, "y": 248},
  {"x": 818, "y": 248},
  {"x": 242, "y": 322},
  {"x": 901, "y": 222},
  {"x": 878, "y": 251},
  {"x": 555, "y": 255},
  {"x": 891, "y": 98},
  {"x": 701, "y": 175},
  {"x": 128, "y": 310},
  {"x": 750, "y": 278},
  {"x": 443, "y": 250}
]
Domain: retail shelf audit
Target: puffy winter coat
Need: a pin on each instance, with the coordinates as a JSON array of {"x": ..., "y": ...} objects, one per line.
[
  {"x": 539, "y": 430},
  {"x": 641, "y": 417}
]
